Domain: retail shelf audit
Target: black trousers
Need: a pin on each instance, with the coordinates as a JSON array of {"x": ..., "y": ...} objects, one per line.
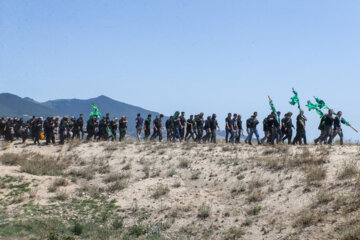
[
  {"x": 300, "y": 135},
  {"x": 182, "y": 132},
  {"x": 147, "y": 134},
  {"x": 156, "y": 133},
  {"x": 337, "y": 131},
  {"x": 200, "y": 134},
  {"x": 288, "y": 135},
  {"x": 50, "y": 137},
  {"x": 122, "y": 134},
  {"x": 213, "y": 135}
]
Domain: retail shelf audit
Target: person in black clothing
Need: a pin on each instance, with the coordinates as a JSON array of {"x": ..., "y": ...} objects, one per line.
[
  {"x": 32, "y": 126},
  {"x": 300, "y": 129},
  {"x": 252, "y": 122},
  {"x": 200, "y": 126},
  {"x": 56, "y": 127},
  {"x": 103, "y": 133},
  {"x": 169, "y": 125},
  {"x": 71, "y": 128},
  {"x": 9, "y": 130},
  {"x": 2, "y": 127},
  {"x": 147, "y": 127},
  {"x": 234, "y": 128},
  {"x": 122, "y": 128},
  {"x": 240, "y": 129},
  {"x": 190, "y": 126},
  {"x": 37, "y": 130},
  {"x": 157, "y": 125},
  {"x": 213, "y": 126},
  {"x": 207, "y": 128},
  {"x": 182, "y": 125},
  {"x": 63, "y": 129},
  {"x": 337, "y": 128},
  {"x": 286, "y": 127},
  {"x": 49, "y": 126},
  {"x": 90, "y": 128},
  {"x": 79, "y": 127},
  {"x": 113, "y": 128},
  {"x": 273, "y": 126},
  {"x": 228, "y": 128},
  {"x": 278, "y": 135},
  {"x": 327, "y": 123},
  {"x": 266, "y": 129},
  {"x": 17, "y": 125}
]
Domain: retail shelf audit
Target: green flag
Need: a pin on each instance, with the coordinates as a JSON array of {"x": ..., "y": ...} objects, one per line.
[
  {"x": 345, "y": 122},
  {"x": 315, "y": 107},
  {"x": 294, "y": 99},
  {"x": 311, "y": 106},
  {"x": 321, "y": 103},
  {"x": 95, "y": 112},
  {"x": 273, "y": 109}
]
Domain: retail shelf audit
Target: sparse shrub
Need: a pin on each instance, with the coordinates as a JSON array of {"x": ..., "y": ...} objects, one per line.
[
  {"x": 324, "y": 197},
  {"x": 113, "y": 177},
  {"x": 255, "y": 196},
  {"x": 247, "y": 222},
  {"x": 348, "y": 170},
  {"x": 233, "y": 233},
  {"x": 146, "y": 170},
  {"x": 315, "y": 174},
  {"x": 58, "y": 182},
  {"x": 136, "y": 230},
  {"x": 77, "y": 228},
  {"x": 61, "y": 195},
  {"x": 42, "y": 165},
  {"x": 11, "y": 159},
  {"x": 255, "y": 182},
  {"x": 87, "y": 173},
  {"x": 118, "y": 185},
  {"x": 177, "y": 184},
  {"x": 171, "y": 173},
  {"x": 127, "y": 167},
  {"x": 240, "y": 177},
  {"x": 204, "y": 211},
  {"x": 195, "y": 175},
  {"x": 255, "y": 210},
  {"x": 307, "y": 218},
  {"x": 161, "y": 190},
  {"x": 184, "y": 163}
]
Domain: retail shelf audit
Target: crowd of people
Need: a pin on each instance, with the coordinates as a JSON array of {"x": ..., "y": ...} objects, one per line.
[{"x": 196, "y": 128}]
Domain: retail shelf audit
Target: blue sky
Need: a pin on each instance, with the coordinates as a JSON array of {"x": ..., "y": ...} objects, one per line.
[{"x": 192, "y": 55}]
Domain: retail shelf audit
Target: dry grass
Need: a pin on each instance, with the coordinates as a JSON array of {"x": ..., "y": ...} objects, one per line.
[
  {"x": 204, "y": 211},
  {"x": 349, "y": 170},
  {"x": 58, "y": 182},
  {"x": 160, "y": 191},
  {"x": 42, "y": 165}
]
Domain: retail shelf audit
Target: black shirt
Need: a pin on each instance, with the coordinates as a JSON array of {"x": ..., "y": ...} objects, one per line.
[
  {"x": 337, "y": 122},
  {"x": 287, "y": 122},
  {"x": 189, "y": 122},
  {"x": 299, "y": 119},
  {"x": 239, "y": 124},
  {"x": 199, "y": 122},
  {"x": 157, "y": 123},
  {"x": 213, "y": 124},
  {"x": 122, "y": 124},
  {"x": 329, "y": 120},
  {"x": 252, "y": 122},
  {"x": 228, "y": 123},
  {"x": 147, "y": 123}
]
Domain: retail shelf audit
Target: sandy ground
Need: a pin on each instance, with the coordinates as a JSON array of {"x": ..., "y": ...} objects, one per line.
[{"x": 222, "y": 177}]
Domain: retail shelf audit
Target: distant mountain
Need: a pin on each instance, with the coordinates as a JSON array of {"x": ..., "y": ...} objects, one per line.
[
  {"x": 12, "y": 105},
  {"x": 73, "y": 107}
]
